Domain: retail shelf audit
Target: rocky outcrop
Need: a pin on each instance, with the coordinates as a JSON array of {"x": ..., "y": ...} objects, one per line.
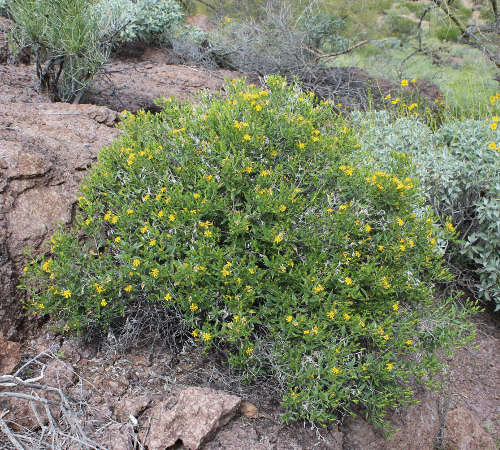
[
  {"x": 415, "y": 428},
  {"x": 135, "y": 83},
  {"x": 44, "y": 151},
  {"x": 196, "y": 416},
  {"x": 9, "y": 355},
  {"x": 463, "y": 432}
]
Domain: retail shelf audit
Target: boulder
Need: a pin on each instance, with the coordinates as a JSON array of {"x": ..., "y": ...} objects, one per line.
[
  {"x": 464, "y": 432},
  {"x": 135, "y": 83},
  {"x": 415, "y": 428},
  {"x": 44, "y": 152},
  {"x": 194, "y": 419},
  {"x": 10, "y": 355}
]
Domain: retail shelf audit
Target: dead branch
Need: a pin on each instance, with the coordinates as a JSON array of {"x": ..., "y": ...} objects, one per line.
[
  {"x": 469, "y": 33},
  {"x": 60, "y": 422},
  {"x": 343, "y": 52}
]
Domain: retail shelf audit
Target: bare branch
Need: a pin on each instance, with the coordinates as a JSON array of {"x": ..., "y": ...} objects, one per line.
[{"x": 343, "y": 52}]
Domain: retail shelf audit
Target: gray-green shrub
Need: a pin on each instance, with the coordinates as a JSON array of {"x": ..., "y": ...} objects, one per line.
[
  {"x": 147, "y": 20},
  {"x": 460, "y": 175},
  {"x": 68, "y": 40}
]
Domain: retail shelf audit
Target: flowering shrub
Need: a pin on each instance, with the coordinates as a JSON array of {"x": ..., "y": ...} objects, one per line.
[
  {"x": 250, "y": 217},
  {"x": 459, "y": 165}
]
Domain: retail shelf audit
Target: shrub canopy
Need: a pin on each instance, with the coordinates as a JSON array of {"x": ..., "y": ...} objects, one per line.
[{"x": 250, "y": 216}]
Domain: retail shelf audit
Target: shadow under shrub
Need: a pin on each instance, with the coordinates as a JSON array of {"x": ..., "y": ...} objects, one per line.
[{"x": 250, "y": 218}]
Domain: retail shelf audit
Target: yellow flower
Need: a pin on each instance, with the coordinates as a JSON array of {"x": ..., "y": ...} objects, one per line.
[
  {"x": 128, "y": 288},
  {"x": 348, "y": 281},
  {"x": 396, "y": 100},
  {"x": 206, "y": 336},
  {"x": 246, "y": 137},
  {"x": 387, "y": 97},
  {"x": 136, "y": 262},
  {"x": 282, "y": 208},
  {"x": 228, "y": 19},
  {"x": 46, "y": 266},
  {"x": 413, "y": 80},
  {"x": 409, "y": 342},
  {"x": 395, "y": 307},
  {"x": 386, "y": 337},
  {"x": 368, "y": 228},
  {"x": 103, "y": 302},
  {"x": 289, "y": 319},
  {"x": 144, "y": 229},
  {"x": 249, "y": 351},
  {"x": 331, "y": 314},
  {"x": 225, "y": 272},
  {"x": 450, "y": 227},
  {"x": 492, "y": 146},
  {"x": 155, "y": 273},
  {"x": 152, "y": 243},
  {"x": 167, "y": 297},
  {"x": 171, "y": 217},
  {"x": 380, "y": 248},
  {"x": 493, "y": 125},
  {"x": 193, "y": 307},
  {"x": 319, "y": 288},
  {"x": 278, "y": 238},
  {"x": 404, "y": 83},
  {"x": 347, "y": 316},
  {"x": 400, "y": 221},
  {"x": 66, "y": 293},
  {"x": 389, "y": 366},
  {"x": 495, "y": 118},
  {"x": 335, "y": 371}
]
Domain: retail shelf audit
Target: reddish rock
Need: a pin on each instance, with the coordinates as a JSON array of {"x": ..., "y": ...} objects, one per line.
[
  {"x": 196, "y": 416},
  {"x": 250, "y": 410},
  {"x": 118, "y": 436},
  {"x": 9, "y": 355},
  {"x": 59, "y": 374},
  {"x": 5, "y": 25},
  {"x": 201, "y": 21},
  {"x": 464, "y": 432},
  {"x": 44, "y": 151},
  {"x": 135, "y": 84},
  {"x": 415, "y": 428},
  {"x": 131, "y": 406}
]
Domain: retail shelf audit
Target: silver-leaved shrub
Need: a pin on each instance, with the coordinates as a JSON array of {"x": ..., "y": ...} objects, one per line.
[{"x": 459, "y": 168}]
